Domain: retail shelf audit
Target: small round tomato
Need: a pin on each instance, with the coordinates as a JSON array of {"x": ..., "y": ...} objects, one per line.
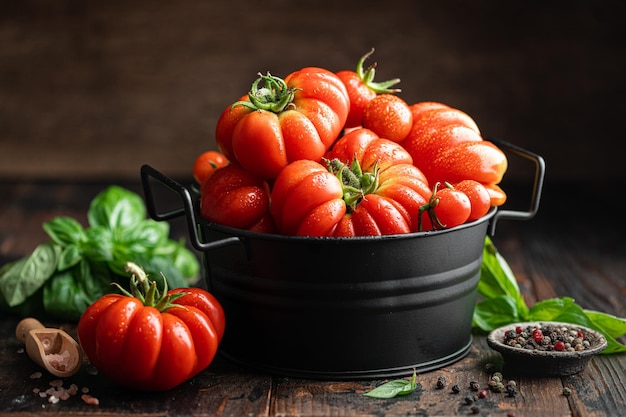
[
  {"x": 447, "y": 208},
  {"x": 389, "y": 116},
  {"x": 478, "y": 195},
  {"x": 362, "y": 89},
  {"x": 150, "y": 340},
  {"x": 206, "y": 163}
]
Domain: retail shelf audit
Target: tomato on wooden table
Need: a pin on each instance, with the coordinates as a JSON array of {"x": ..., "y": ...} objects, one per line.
[
  {"x": 150, "y": 340},
  {"x": 281, "y": 121}
]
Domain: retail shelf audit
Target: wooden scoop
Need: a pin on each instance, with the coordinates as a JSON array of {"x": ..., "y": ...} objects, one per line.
[{"x": 53, "y": 349}]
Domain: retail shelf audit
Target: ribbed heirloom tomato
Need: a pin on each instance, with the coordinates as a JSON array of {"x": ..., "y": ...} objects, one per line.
[
  {"x": 150, "y": 340},
  {"x": 343, "y": 199},
  {"x": 447, "y": 146},
  {"x": 281, "y": 121}
]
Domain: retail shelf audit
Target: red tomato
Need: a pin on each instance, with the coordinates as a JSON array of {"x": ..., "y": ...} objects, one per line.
[
  {"x": 281, "y": 121},
  {"x": 307, "y": 199},
  {"x": 369, "y": 149},
  {"x": 389, "y": 117},
  {"x": 206, "y": 163},
  {"x": 480, "y": 161},
  {"x": 234, "y": 197},
  {"x": 447, "y": 208},
  {"x": 498, "y": 196},
  {"x": 310, "y": 200},
  {"x": 362, "y": 89},
  {"x": 479, "y": 197},
  {"x": 446, "y": 145},
  {"x": 155, "y": 342}
]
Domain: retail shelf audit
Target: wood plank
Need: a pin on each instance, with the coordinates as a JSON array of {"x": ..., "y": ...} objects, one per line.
[
  {"x": 221, "y": 389},
  {"x": 537, "y": 396}
]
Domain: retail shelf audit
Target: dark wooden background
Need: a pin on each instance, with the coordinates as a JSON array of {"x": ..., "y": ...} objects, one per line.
[{"x": 93, "y": 89}]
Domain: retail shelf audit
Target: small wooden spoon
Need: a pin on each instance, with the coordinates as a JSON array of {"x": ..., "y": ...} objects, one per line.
[{"x": 53, "y": 349}]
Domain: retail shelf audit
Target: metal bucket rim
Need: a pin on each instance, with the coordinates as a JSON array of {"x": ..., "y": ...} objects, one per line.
[{"x": 331, "y": 239}]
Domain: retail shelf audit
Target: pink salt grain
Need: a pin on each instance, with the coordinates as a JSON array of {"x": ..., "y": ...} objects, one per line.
[
  {"x": 59, "y": 361},
  {"x": 88, "y": 399}
]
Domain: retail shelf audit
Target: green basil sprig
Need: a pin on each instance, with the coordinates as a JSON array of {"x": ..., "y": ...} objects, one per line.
[
  {"x": 64, "y": 276},
  {"x": 503, "y": 304}
]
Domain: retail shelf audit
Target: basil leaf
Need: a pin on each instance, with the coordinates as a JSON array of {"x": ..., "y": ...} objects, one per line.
[
  {"x": 116, "y": 207},
  {"x": 549, "y": 309},
  {"x": 70, "y": 256},
  {"x": 183, "y": 259},
  {"x": 68, "y": 294},
  {"x": 141, "y": 238},
  {"x": 394, "y": 388},
  {"x": 24, "y": 277},
  {"x": 158, "y": 266},
  {"x": 64, "y": 230},
  {"x": 612, "y": 325},
  {"x": 496, "y": 277},
  {"x": 495, "y": 312},
  {"x": 99, "y": 244}
]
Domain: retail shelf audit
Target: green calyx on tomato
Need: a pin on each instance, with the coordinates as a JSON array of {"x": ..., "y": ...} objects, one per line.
[
  {"x": 367, "y": 76},
  {"x": 146, "y": 290},
  {"x": 269, "y": 93},
  {"x": 354, "y": 182}
]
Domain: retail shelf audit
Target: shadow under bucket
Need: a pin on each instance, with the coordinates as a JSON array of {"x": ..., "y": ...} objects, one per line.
[{"x": 342, "y": 308}]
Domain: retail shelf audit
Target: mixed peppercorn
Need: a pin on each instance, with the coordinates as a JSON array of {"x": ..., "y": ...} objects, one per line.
[{"x": 548, "y": 337}]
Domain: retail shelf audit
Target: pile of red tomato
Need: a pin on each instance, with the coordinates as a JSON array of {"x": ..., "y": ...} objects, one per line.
[{"x": 337, "y": 154}]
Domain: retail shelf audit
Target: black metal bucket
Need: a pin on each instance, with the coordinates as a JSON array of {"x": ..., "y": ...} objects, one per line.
[{"x": 343, "y": 308}]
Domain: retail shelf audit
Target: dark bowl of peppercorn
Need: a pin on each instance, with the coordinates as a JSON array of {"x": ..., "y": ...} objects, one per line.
[{"x": 546, "y": 348}]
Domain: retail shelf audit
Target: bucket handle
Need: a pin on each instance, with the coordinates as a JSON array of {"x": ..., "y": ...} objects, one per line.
[
  {"x": 148, "y": 172},
  {"x": 540, "y": 170}
]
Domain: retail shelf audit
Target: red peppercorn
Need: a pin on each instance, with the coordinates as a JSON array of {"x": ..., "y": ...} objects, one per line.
[
  {"x": 580, "y": 335},
  {"x": 482, "y": 393},
  {"x": 519, "y": 329},
  {"x": 537, "y": 335},
  {"x": 559, "y": 345}
]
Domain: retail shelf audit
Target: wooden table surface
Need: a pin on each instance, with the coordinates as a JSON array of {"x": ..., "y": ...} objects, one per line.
[{"x": 573, "y": 247}]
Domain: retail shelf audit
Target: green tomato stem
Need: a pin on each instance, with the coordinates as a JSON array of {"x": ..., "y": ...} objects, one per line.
[
  {"x": 268, "y": 93},
  {"x": 355, "y": 183},
  {"x": 146, "y": 290},
  {"x": 367, "y": 76}
]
